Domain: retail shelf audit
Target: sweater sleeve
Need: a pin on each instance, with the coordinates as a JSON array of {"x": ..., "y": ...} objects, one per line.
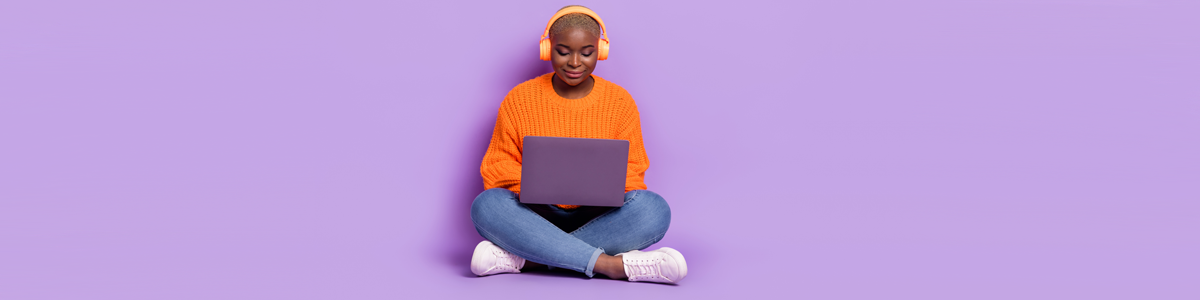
[
  {"x": 501, "y": 165},
  {"x": 638, "y": 162}
]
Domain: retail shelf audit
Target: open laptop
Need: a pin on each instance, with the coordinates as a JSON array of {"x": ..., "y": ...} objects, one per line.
[{"x": 575, "y": 171}]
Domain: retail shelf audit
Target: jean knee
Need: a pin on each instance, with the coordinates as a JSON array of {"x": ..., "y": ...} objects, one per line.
[
  {"x": 655, "y": 211},
  {"x": 488, "y": 201}
]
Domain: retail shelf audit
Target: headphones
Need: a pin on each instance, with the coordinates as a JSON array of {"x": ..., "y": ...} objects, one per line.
[{"x": 544, "y": 43}]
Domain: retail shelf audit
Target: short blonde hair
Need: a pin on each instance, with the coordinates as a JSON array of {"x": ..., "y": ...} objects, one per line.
[{"x": 575, "y": 20}]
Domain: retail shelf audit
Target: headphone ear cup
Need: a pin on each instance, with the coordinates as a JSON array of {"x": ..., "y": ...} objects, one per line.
[
  {"x": 603, "y": 53},
  {"x": 544, "y": 49}
]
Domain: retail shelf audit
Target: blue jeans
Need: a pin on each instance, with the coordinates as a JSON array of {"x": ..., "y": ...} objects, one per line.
[{"x": 541, "y": 238}]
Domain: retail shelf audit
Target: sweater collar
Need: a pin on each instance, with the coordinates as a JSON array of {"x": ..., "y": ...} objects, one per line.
[{"x": 598, "y": 89}]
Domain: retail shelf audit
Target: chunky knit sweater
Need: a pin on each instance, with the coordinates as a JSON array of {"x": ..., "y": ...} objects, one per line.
[{"x": 533, "y": 108}]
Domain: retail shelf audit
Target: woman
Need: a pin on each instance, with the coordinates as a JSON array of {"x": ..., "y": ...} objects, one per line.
[{"x": 570, "y": 102}]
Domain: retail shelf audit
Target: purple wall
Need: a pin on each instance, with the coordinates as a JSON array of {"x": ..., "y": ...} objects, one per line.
[{"x": 835, "y": 150}]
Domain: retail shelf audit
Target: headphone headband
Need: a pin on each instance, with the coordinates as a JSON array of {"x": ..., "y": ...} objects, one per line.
[
  {"x": 572, "y": 10},
  {"x": 602, "y": 45}
]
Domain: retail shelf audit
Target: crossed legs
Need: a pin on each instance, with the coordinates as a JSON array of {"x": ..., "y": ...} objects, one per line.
[{"x": 641, "y": 222}]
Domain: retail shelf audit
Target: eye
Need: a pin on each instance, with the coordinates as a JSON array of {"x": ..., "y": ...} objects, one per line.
[
  {"x": 589, "y": 53},
  {"x": 561, "y": 52}
]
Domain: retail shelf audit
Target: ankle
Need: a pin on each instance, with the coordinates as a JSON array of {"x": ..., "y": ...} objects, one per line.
[{"x": 611, "y": 266}]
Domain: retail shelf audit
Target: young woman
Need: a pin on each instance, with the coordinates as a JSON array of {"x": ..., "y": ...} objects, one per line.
[{"x": 571, "y": 102}]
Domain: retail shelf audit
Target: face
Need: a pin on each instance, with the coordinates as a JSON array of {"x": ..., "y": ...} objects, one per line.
[{"x": 573, "y": 54}]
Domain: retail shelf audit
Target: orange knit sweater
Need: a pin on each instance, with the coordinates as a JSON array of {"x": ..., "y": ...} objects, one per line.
[{"x": 533, "y": 108}]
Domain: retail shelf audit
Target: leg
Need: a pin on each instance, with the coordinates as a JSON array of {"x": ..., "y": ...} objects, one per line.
[
  {"x": 501, "y": 219},
  {"x": 641, "y": 222}
]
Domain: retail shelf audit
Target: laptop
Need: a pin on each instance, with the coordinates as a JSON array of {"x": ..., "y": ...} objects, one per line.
[{"x": 574, "y": 171}]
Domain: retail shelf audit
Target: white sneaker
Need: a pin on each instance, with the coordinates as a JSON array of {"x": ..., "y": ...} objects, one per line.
[
  {"x": 490, "y": 259},
  {"x": 664, "y": 265}
]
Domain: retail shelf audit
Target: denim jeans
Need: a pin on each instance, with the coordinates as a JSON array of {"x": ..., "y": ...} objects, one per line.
[{"x": 544, "y": 238}]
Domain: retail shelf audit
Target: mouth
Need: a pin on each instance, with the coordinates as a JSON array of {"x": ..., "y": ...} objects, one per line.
[{"x": 573, "y": 75}]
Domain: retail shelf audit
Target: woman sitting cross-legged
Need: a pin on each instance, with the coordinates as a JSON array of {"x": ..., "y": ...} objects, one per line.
[{"x": 570, "y": 102}]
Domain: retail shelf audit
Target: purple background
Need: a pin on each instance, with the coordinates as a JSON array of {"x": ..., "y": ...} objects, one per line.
[{"x": 809, "y": 150}]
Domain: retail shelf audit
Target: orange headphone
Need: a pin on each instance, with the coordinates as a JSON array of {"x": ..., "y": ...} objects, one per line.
[{"x": 544, "y": 43}]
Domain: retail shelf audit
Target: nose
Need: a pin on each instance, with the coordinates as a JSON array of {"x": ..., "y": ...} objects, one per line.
[{"x": 575, "y": 60}]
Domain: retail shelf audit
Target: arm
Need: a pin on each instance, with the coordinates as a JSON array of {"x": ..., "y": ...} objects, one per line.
[
  {"x": 638, "y": 162},
  {"x": 501, "y": 165}
]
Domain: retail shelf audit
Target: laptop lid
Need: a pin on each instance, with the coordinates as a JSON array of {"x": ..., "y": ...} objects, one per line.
[{"x": 575, "y": 171}]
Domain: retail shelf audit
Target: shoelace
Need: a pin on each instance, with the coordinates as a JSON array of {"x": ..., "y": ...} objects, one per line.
[
  {"x": 646, "y": 268},
  {"x": 505, "y": 259}
]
